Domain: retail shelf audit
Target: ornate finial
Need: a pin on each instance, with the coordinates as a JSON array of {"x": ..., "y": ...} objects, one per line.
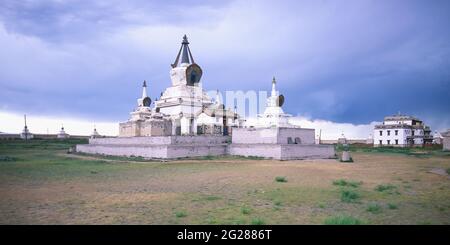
[
  {"x": 184, "y": 53},
  {"x": 185, "y": 40},
  {"x": 145, "y": 84}
]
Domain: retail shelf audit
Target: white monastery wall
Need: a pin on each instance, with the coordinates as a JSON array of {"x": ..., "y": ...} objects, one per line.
[
  {"x": 306, "y": 135},
  {"x": 289, "y": 152}
]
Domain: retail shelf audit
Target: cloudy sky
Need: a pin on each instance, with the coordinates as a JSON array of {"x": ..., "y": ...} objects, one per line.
[{"x": 345, "y": 62}]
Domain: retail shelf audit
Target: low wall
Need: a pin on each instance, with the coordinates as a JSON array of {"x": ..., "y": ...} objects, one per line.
[
  {"x": 354, "y": 141},
  {"x": 289, "y": 152},
  {"x": 41, "y": 136},
  {"x": 9, "y": 136},
  {"x": 256, "y": 150},
  {"x": 170, "y": 147},
  {"x": 157, "y": 151},
  {"x": 181, "y": 151},
  {"x": 158, "y": 146}
]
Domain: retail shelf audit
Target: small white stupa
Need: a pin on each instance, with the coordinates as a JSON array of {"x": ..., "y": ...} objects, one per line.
[
  {"x": 274, "y": 115},
  {"x": 143, "y": 110},
  {"x": 62, "y": 134},
  {"x": 26, "y": 135},
  {"x": 95, "y": 134}
]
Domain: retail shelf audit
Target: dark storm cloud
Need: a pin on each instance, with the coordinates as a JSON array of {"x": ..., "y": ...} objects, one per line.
[{"x": 346, "y": 61}]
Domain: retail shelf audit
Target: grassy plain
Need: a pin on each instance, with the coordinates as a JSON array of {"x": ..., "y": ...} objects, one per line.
[{"x": 40, "y": 183}]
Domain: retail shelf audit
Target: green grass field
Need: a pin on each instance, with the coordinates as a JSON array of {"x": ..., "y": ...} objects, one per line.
[{"x": 40, "y": 183}]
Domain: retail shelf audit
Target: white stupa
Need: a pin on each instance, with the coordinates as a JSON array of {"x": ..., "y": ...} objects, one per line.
[
  {"x": 95, "y": 134},
  {"x": 62, "y": 134},
  {"x": 274, "y": 115},
  {"x": 342, "y": 139},
  {"x": 26, "y": 135}
]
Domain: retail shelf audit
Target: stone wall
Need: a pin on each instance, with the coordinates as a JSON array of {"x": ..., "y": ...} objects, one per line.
[
  {"x": 180, "y": 151},
  {"x": 256, "y": 150},
  {"x": 156, "y": 128},
  {"x": 446, "y": 143},
  {"x": 207, "y": 145},
  {"x": 128, "y": 129},
  {"x": 155, "y": 151},
  {"x": 349, "y": 141},
  {"x": 162, "y": 140},
  {"x": 158, "y": 146},
  {"x": 283, "y": 151},
  {"x": 254, "y": 136},
  {"x": 306, "y": 135},
  {"x": 289, "y": 152},
  {"x": 151, "y": 127}
]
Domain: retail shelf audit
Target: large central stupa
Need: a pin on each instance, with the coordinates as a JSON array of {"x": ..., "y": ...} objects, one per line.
[{"x": 186, "y": 122}]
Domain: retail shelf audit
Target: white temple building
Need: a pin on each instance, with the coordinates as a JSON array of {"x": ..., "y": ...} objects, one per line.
[{"x": 401, "y": 131}]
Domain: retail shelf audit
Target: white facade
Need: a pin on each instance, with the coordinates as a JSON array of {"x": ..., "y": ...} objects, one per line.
[
  {"x": 446, "y": 140},
  {"x": 273, "y": 115},
  {"x": 401, "y": 131}
]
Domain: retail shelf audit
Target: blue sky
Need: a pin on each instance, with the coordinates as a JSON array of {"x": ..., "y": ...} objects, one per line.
[{"x": 352, "y": 61}]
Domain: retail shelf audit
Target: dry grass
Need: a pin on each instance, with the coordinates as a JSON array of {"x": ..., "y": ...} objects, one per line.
[{"x": 51, "y": 187}]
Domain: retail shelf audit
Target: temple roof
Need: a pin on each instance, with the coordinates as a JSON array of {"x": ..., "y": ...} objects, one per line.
[
  {"x": 185, "y": 53},
  {"x": 400, "y": 117}
]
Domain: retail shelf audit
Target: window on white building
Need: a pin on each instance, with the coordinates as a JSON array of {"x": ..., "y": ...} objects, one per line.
[
  {"x": 389, "y": 132},
  {"x": 381, "y": 133},
  {"x": 396, "y": 132},
  {"x": 381, "y": 142},
  {"x": 388, "y": 142},
  {"x": 396, "y": 142}
]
